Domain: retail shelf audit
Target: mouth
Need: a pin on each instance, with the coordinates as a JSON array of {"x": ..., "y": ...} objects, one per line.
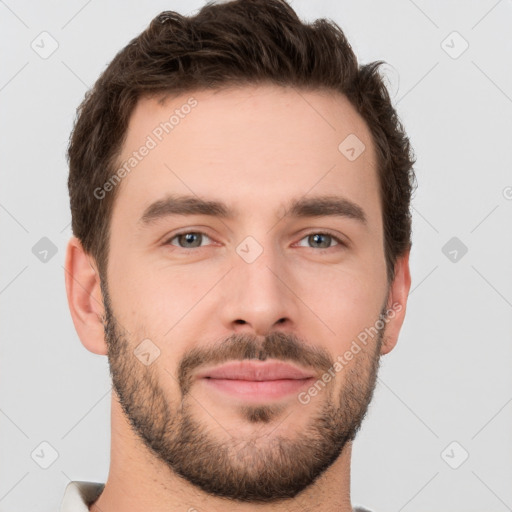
[{"x": 256, "y": 381}]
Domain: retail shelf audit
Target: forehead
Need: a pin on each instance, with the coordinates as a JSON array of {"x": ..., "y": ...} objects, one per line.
[{"x": 248, "y": 147}]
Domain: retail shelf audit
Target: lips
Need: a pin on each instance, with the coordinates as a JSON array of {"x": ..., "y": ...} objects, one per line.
[{"x": 256, "y": 371}]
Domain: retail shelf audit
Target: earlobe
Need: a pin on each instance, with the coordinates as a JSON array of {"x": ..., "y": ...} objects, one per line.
[
  {"x": 397, "y": 303},
  {"x": 84, "y": 297}
]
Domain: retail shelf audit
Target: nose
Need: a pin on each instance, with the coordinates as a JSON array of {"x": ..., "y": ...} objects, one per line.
[{"x": 258, "y": 295}]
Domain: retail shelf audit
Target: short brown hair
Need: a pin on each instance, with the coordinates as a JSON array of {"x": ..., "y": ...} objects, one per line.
[{"x": 234, "y": 43}]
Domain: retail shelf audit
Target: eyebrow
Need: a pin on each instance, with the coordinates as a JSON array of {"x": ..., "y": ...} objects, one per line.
[{"x": 317, "y": 206}]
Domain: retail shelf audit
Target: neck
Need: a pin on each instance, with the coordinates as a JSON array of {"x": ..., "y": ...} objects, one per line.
[{"x": 140, "y": 482}]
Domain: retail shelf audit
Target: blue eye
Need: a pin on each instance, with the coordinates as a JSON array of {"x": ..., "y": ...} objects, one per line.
[
  {"x": 190, "y": 239},
  {"x": 322, "y": 240},
  {"x": 194, "y": 239}
]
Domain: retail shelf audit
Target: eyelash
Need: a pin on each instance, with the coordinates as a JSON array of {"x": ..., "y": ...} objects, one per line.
[{"x": 340, "y": 242}]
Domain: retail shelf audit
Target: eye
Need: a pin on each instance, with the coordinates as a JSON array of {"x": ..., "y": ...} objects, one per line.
[
  {"x": 323, "y": 240},
  {"x": 188, "y": 239},
  {"x": 194, "y": 239}
]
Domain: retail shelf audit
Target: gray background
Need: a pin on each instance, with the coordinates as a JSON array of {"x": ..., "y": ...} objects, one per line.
[{"x": 448, "y": 380}]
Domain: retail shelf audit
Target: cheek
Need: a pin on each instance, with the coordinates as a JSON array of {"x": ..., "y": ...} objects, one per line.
[
  {"x": 346, "y": 301},
  {"x": 155, "y": 295}
]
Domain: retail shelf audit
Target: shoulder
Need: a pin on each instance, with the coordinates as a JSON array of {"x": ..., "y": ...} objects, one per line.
[{"x": 79, "y": 495}]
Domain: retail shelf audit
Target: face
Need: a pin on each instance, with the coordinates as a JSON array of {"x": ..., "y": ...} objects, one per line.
[{"x": 244, "y": 234}]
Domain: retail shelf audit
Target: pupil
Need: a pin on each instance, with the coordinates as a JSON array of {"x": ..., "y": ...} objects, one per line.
[
  {"x": 189, "y": 237},
  {"x": 317, "y": 238}
]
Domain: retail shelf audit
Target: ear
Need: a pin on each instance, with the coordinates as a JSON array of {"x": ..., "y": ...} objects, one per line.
[
  {"x": 397, "y": 303},
  {"x": 84, "y": 297}
]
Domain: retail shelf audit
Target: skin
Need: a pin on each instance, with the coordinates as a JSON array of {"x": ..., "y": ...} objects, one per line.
[{"x": 254, "y": 148}]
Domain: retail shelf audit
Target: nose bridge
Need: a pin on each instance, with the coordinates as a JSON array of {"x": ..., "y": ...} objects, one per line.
[{"x": 257, "y": 294}]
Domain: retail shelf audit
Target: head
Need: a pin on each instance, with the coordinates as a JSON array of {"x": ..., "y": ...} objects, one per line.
[{"x": 262, "y": 142}]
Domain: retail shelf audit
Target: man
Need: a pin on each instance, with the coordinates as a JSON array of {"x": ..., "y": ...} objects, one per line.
[{"x": 240, "y": 193}]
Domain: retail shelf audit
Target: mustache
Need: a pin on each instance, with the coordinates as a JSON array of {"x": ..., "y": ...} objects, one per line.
[{"x": 242, "y": 346}]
